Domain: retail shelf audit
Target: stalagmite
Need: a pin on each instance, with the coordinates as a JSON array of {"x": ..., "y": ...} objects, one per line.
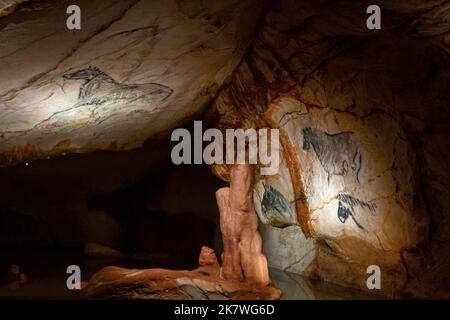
[
  {"x": 242, "y": 257},
  {"x": 244, "y": 272}
]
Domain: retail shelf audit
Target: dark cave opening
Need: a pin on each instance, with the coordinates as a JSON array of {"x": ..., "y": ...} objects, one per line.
[
  {"x": 152, "y": 221},
  {"x": 132, "y": 209}
]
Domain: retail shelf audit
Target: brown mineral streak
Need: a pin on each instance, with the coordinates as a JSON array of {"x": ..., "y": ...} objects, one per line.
[
  {"x": 61, "y": 146},
  {"x": 294, "y": 167},
  {"x": 19, "y": 153},
  {"x": 238, "y": 101}
]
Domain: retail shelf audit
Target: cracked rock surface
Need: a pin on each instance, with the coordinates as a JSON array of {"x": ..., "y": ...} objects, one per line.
[
  {"x": 138, "y": 67},
  {"x": 361, "y": 116}
]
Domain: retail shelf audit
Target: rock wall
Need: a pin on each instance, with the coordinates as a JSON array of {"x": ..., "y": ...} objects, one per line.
[
  {"x": 356, "y": 111},
  {"x": 363, "y": 114}
]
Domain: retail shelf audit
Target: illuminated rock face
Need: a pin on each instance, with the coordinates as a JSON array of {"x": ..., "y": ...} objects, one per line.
[
  {"x": 343, "y": 198},
  {"x": 355, "y": 139},
  {"x": 363, "y": 115},
  {"x": 135, "y": 69},
  {"x": 356, "y": 175}
]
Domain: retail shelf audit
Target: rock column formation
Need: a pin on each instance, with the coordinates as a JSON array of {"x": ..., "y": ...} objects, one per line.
[
  {"x": 244, "y": 272},
  {"x": 363, "y": 131},
  {"x": 242, "y": 257}
]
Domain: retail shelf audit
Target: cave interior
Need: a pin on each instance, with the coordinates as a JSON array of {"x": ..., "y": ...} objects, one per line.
[{"x": 88, "y": 177}]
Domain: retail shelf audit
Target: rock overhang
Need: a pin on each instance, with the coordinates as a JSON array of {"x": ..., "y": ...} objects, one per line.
[{"x": 134, "y": 70}]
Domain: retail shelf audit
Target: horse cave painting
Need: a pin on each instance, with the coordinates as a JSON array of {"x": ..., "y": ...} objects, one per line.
[
  {"x": 347, "y": 206},
  {"x": 86, "y": 118},
  {"x": 337, "y": 153},
  {"x": 99, "y": 88}
]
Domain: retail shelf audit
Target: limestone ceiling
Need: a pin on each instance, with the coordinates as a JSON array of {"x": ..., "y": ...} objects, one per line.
[{"x": 135, "y": 69}]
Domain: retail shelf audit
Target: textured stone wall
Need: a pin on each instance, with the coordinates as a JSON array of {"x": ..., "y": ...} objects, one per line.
[
  {"x": 134, "y": 70},
  {"x": 361, "y": 115}
]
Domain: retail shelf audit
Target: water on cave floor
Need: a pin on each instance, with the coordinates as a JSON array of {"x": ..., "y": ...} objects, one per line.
[
  {"x": 46, "y": 276},
  {"x": 297, "y": 287}
]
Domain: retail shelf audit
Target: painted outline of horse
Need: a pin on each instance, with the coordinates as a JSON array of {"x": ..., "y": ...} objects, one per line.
[
  {"x": 346, "y": 208},
  {"x": 337, "y": 153},
  {"x": 98, "y": 88},
  {"x": 276, "y": 208}
]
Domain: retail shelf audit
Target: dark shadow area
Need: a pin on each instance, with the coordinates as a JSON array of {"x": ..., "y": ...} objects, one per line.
[{"x": 133, "y": 209}]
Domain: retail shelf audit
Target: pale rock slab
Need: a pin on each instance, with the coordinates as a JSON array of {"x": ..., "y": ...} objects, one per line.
[
  {"x": 356, "y": 175},
  {"x": 154, "y": 64},
  {"x": 288, "y": 248}
]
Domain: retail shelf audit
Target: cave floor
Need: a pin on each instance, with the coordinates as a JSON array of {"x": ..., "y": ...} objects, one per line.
[
  {"x": 46, "y": 276},
  {"x": 297, "y": 287}
]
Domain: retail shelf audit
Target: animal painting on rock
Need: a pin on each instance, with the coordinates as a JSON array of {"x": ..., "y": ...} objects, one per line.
[
  {"x": 347, "y": 205},
  {"x": 99, "y": 88},
  {"x": 337, "y": 153},
  {"x": 343, "y": 166},
  {"x": 276, "y": 208}
]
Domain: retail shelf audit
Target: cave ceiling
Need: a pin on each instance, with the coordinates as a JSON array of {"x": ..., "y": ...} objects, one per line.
[{"x": 158, "y": 64}]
